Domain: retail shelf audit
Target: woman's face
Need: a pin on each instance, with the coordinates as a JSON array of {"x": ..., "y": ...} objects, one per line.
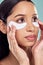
[{"x": 25, "y": 12}]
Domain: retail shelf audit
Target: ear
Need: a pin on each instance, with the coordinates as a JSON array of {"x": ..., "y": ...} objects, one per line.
[{"x": 3, "y": 27}]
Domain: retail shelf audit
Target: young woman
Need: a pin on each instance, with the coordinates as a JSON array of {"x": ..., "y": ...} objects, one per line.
[{"x": 19, "y": 20}]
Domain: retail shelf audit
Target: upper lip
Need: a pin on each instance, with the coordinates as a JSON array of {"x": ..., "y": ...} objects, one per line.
[{"x": 30, "y": 36}]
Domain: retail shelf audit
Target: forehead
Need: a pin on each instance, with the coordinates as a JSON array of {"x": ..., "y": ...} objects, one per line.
[{"x": 24, "y": 7}]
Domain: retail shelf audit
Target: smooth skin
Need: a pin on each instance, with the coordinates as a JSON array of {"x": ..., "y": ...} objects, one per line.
[{"x": 18, "y": 44}]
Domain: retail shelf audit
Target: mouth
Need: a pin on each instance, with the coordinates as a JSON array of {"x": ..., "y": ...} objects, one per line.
[{"x": 31, "y": 37}]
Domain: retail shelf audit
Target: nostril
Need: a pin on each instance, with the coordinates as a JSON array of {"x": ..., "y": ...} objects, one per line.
[{"x": 30, "y": 30}]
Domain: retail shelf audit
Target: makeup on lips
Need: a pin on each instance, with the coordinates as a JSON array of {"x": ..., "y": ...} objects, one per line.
[{"x": 31, "y": 37}]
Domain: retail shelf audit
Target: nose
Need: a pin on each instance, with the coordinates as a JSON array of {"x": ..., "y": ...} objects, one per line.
[{"x": 30, "y": 27}]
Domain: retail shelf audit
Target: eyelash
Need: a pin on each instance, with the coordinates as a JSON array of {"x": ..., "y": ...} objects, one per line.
[
  {"x": 35, "y": 19},
  {"x": 20, "y": 20}
]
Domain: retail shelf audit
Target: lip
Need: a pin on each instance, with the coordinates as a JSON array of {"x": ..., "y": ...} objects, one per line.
[{"x": 31, "y": 37}]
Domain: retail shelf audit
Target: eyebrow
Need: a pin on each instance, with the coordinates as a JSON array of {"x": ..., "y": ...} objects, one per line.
[
  {"x": 19, "y": 15},
  {"x": 35, "y": 14},
  {"x": 24, "y": 15}
]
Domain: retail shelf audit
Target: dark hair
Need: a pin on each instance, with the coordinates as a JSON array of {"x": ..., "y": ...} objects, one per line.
[
  {"x": 4, "y": 47},
  {"x": 5, "y": 9}
]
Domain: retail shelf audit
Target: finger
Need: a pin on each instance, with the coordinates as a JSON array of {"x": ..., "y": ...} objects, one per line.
[
  {"x": 13, "y": 31},
  {"x": 41, "y": 44},
  {"x": 35, "y": 45},
  {"x": 8, "y": 29},
  {"x": 41, "y": 28},
  {"x": 38, "y": 47},
  {"x": 11, "y": 36},
  {"x": 10, "y": 32},
  {"x": 40, "y": 24}
]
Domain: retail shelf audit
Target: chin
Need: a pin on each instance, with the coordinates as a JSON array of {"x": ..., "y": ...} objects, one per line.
[{"x": 28, "y": 44}]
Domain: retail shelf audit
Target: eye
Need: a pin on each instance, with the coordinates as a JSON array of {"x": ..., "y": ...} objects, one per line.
[
  {"x": 34, "y": 19},
  {"x": 20, "y": 20}
]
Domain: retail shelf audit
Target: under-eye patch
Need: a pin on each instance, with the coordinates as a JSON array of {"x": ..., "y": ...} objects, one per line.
[
  {"x": 17, "y": 25},
  {"x": 35, "y": 24}
]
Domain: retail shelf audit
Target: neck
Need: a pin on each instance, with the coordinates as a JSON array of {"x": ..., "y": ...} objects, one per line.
[{"x": 28, "y": 50}]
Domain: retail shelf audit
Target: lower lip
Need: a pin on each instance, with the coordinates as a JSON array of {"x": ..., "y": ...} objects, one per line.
[{"x": 30, "y": 38}]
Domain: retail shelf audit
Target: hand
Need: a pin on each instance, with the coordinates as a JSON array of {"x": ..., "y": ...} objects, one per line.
[
  {"x": 38, "y": 53},
  {"x": 37, "y": 49},
  {"x": 18, "y": 52},
  {"x": 41, "y": 28}
]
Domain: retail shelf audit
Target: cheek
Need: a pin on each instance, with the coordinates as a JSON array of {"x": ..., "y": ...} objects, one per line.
[
  {"x": 17, "y": 25},
  {"x": 37, "y": 31},
  {"x": 19, "y": 36},
  {"x": 35, "y": 24}
]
